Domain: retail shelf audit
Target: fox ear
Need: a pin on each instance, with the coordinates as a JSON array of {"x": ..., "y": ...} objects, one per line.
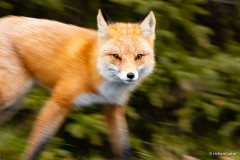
[
  {"x": 147, "y": 24},
  {"x": 103, "y": 21}
]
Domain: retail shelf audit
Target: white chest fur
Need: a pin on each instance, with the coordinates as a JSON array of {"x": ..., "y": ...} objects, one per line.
[{"x": 108, "y": 93}]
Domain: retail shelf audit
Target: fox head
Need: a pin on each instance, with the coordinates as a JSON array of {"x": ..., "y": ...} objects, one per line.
[{"x": 126, "y": 50}]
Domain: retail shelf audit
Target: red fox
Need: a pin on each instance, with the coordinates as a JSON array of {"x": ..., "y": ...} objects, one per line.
[{"x": 80, "y": 67}]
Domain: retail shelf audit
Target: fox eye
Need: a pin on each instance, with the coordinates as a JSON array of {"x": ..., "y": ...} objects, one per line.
[
  {"x": 139, "y": 56},
  {"x": 116, "y": 56}
]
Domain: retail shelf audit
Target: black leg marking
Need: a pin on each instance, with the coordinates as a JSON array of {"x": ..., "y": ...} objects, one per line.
[
  {"x": 127, "y": 154},
  {"x": 36, "y": 153}
]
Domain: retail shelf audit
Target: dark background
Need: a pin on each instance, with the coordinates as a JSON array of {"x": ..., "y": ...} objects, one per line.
[{"x": 190, "y": 106}]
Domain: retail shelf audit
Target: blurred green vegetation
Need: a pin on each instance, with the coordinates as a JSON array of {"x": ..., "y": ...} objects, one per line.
[{"x": 189, "y": 106}]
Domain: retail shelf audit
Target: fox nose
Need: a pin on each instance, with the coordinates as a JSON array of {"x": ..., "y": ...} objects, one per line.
[{"x": 130, "y": 75}]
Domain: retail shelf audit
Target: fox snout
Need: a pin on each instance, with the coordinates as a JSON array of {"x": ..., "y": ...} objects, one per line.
[{"x": 128, "y": 77}]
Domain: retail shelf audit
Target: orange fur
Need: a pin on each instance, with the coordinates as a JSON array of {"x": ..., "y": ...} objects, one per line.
[{"x": 78, "y": 66}]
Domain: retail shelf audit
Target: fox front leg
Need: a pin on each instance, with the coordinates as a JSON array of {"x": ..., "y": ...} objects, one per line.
[
  {"x": 118, "y": 131},
  {"x": 51, "y": 117},
  {"x": 48, "y": 121}
]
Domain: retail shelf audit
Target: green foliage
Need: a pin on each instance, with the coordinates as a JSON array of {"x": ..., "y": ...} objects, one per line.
[
  {"x": 89, "y": 126},
  {"x": 5, "y": 5},
  {"x": 189, "y": 106},
  {"x": 11, "y": 145},
  {"x": 52, "y": 4},
  {"x": 54, "y": 152}
]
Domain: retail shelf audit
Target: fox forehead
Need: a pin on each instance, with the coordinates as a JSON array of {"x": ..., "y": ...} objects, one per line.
[
  {"x": 126, "y": 38},
  {"x": 124, "y": 31}
]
